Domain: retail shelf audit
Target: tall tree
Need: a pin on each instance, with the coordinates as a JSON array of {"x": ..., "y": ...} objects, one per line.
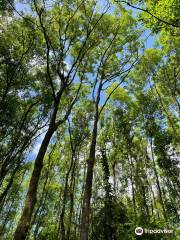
[
  {"x": 109, "y": 68},
  {"x": 89, "y": 119}
]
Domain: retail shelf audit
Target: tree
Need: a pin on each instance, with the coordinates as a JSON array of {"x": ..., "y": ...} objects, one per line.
[
  {"x": 158, "y": 14},
  {"x": 108, "y": 70},
  {"x": 89, "y": 120}
]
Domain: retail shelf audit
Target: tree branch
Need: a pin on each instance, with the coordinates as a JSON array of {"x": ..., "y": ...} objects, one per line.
[{"x": 147, "y": 11}]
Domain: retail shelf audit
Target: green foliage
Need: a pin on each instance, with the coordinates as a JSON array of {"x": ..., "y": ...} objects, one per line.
[
  {"x": 136, "y": 173},
  {"x": 6, "y": 6}
]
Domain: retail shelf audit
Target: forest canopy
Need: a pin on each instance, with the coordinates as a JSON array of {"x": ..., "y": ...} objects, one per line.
[{"x": 89, "y": 119}]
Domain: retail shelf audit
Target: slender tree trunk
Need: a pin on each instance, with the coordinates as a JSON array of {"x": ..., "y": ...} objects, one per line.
[
  {"x": 84, "y": 228},
  {"x": 72, "y": 189},
  {"x": 146, "y": 216},
  {"x": 132, "y": 184},
  {"x": 40, "y": 209},
  {"x": 88, "y": 186},
  {"x": 11, "y": 206},
  {"x": 65, "y": 195},
  {"x": 153, "y": 202},
  {"x": 71, "y": 211},
  {"x": 58, "y": 213},
  {"x": 114, "y": 177},
  {"x": 81, "y": 202},
  {"x": 132, "y": 168},
  {"x": 173, "y": 199},
  {"x": 157, "y": 182},
  {"x": 24, "y": 222},
  {"x": 9, "y": 185},
  {"x": 109, "y": 232},
  {"x": 3, "y": 226}
]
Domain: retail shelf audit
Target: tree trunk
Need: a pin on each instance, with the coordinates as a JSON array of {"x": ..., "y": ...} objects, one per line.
[
  {"x": 132, "y": 184},
  {"x": 30, "y": 201},
  {"x": 72, "y": 189},
  {"x": 84, "y": 228},
  {"x": 88, "y": 185},
  {"x": 114, "y": 177},
  {"x": 64, "y": 201},
  {"x": 109, "y": 232},
  {"x": 79, "y": 208},
  {"x": 157, "y": 182},
  {"x": 71, "y": 210},
  {"x": 24, "y": 222},
  {"x": 4, "y": 223}
]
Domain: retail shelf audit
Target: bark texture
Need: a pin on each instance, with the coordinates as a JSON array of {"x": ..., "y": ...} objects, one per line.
[
  {"x": 24, "y": 222},
  {"x": 84, "y": 228}
]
